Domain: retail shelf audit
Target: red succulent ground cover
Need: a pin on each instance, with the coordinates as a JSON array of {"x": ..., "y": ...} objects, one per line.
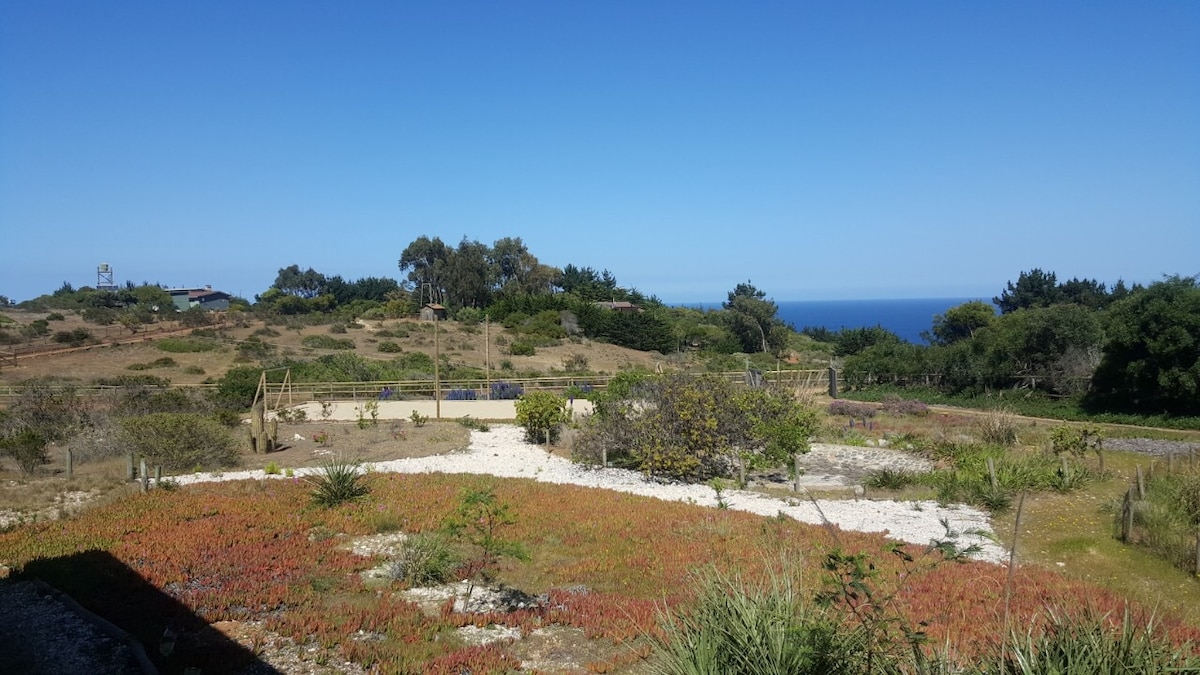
[{"x": 609, "y": 563}]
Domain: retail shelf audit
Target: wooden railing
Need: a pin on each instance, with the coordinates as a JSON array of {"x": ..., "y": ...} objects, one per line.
[{"x": 282, "y": 394}]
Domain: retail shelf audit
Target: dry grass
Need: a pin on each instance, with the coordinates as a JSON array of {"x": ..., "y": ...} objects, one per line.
[{"x": 463, "y": 345}]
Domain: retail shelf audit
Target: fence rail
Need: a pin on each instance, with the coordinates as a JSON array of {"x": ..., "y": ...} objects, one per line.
[
  {"x": 280, "y": 394},
  {"x": 103, "y": 336}
]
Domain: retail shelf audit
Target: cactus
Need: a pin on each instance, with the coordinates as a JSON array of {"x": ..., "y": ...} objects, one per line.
[{"x": 258, "y": 433}]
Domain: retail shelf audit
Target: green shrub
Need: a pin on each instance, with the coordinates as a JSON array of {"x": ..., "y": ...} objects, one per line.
[
  {"x": 389, "y": 347},
  {"x": 521, "y": 348},
  {"x": 266, "y": 331},
  {"x": 337, "y": 328},
  {"x": 541, "y": 414},
  {"x": 193, "y": 370},
  {"x": 424, "y": 560},
  {"x": 102, "y": 316},
  {"x": 254, "y": 348},
  {"x": 473, "y": 424},
  {"x": 165, "y": 362},
  {"x": 337, "y": 482},
  {"x": 178, "y": 441},
  {"x": 27, "y": 448},
  {"x": 133, "y": 381},
  {"x": 75, "y": 337},
  {"x": 327, "y": 342},
  {"x": 469, "y": 316},
  {"x": 186, "y": 345},
  {"x": 55, "y": 316},
  {"x": 271, "y": 469}
]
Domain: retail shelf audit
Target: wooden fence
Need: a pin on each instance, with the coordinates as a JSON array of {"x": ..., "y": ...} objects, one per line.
[
  {"x": 289, "y": 392},
  {"x": 1136, "y": 529}
]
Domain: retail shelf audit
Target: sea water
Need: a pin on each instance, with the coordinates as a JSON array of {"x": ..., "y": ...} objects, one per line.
[{"x": 907, "y": 318}]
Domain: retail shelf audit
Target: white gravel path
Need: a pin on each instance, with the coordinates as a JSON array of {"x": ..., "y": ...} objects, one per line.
[{"x": 503, "y": 452}]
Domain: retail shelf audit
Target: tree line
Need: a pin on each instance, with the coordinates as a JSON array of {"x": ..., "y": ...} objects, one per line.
[{"x": 1126, "y": 349}]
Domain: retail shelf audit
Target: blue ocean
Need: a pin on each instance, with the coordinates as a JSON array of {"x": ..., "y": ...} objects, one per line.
[{"x": 906, "y": 318}]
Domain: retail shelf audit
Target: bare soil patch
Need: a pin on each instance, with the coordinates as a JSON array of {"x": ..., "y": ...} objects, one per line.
[{"x": 301, "y": 444}]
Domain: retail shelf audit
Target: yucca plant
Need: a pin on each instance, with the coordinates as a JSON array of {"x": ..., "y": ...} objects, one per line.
[
  {"x": 337, "y": 482},
  {"x": 888, "y": 478}
]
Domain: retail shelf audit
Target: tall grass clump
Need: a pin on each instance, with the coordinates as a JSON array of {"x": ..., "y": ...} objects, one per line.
[
  {"x": 741, "y": 627},
  {"x": 1168, "y": 521},
  {"x": 337, "y": 482},
  {"x": 1089, "y": 644},
  {"x": 998, "y": 427},
  {"x": 424, "y": 560},
  {"x": 970, "y": 480}
]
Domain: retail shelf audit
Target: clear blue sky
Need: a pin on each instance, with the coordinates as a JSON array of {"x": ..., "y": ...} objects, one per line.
[{"x": 823, "y": 150}]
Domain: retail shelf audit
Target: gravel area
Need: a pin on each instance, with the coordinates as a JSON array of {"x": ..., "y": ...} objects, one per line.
[
  {"x": 1148, "y": 446},
  {"x": 40, "y": 634}
]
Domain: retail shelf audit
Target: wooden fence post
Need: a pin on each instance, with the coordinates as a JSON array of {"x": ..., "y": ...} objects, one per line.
[
  {"x": 833, "y": 383},
  {"x": 143, "y": 477},
  {"x": 991, "y": 465},
  {"x": 797, "y": 464},
  {"x": 1127, "y": 516},
  {"x": 1141, "y": 483},
  {"x": 70, "y": 457}
]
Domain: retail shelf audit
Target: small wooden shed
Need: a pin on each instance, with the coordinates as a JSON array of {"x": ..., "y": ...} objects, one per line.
[{"x": 433, "y": 312}]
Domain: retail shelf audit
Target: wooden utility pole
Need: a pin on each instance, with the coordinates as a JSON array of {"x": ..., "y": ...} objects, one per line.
[
  {"x": 437, "y": 381},
  {"x": 487, "y": 359}
]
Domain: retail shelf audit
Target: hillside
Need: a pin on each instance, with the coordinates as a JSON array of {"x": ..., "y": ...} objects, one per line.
[{"x": 463, "y": 345}]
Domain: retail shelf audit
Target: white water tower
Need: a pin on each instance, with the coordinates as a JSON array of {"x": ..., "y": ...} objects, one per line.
[{"x": 104, "y": 278}]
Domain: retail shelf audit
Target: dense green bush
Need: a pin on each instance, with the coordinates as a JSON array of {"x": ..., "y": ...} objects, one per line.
[
  {"x": 101, "y": 316},
  {"x": 388, "y": 347},
  {"x": 164, "y": 362},
  {"x": 26, "y": 447},
  {"x": 76, "y": 337},
  {"x": 186, "y": 345},
  {"x": 521, "y": 348},
  {"x": 133, "y": 381},
  {"x": 694, "y": 428},
  {"x": 541, "y": 414},
  {"x": 327, "y": 342},
  {"x": 178, "y": 441},
  {"x": 254, "y": 348}
]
